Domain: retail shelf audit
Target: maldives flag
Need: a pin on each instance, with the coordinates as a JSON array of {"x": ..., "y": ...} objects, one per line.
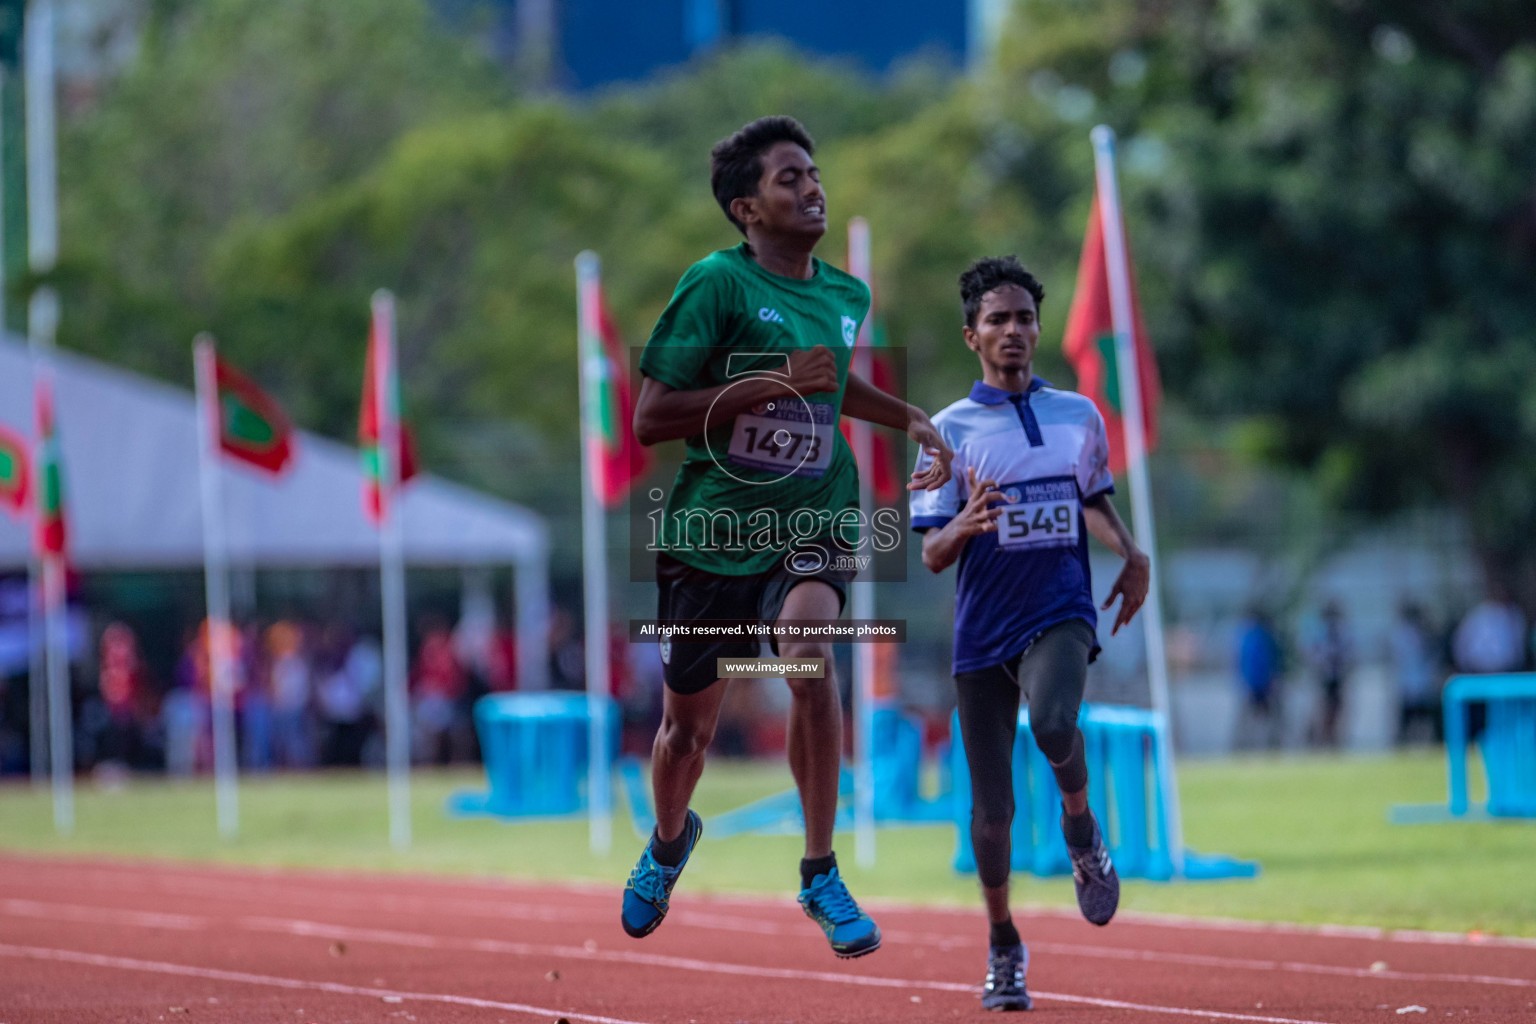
[
  {"x": 1089, "y": 343},
  {"x": 52, "y": 535},
  {"x": 617, "y": 459},
  {"x": 381, "y": 359},
  {"x": 15, "y": 473},
  {"x": 252, "y": 426}
]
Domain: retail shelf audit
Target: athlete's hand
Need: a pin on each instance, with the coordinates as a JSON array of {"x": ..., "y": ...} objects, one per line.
[
  {"x": 977, "y": 517},
  {"x": 813, "y": 371},
  {"x": 1131, "y": 586},
  {"x": 921, "y": 429}
]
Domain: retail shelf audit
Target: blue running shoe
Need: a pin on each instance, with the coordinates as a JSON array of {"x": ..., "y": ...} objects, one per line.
[
  {"x": 1094, "y": 877},
  {"x": 850, "y": 931},
  {"x": 650, "y": 885},
  {"x": 1004, "y": 989}
]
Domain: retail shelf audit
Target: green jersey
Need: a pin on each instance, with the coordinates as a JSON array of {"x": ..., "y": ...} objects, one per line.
[{"x": 752, "y": 483}]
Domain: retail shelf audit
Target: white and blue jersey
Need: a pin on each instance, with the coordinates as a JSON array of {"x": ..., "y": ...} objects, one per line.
[{"x": 1047, "y": 450}]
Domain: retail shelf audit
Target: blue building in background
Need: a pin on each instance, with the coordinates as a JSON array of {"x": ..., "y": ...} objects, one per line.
[{"x": 580, "y": 44}]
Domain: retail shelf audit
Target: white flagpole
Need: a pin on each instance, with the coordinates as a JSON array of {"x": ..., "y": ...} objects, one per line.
[
  {"x": 397, "y": 726},
  {"x": 60, "y": 708},
  {"x": 594, "y": 544},
  {"x": 530, "y": 598},
  {"x": 863, "y": 588},
  {"x": 36, "y": 697},
  {"x": 1129, "y": 371},
  {"x": 42, "y": 325},
  {"x": 216, "y": 584},
  {"x": 37, "y": 668}
]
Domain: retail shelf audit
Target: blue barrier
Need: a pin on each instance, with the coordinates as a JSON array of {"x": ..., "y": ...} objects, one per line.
[
  {"x": 897, "y": 765},
  {"x": 535, "y": 750},
  {"x": 1507, "y": 743},
  {"x": 1127, "y": 784}
]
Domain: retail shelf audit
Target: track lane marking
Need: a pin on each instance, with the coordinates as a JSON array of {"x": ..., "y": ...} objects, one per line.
[
  {"x": 459, "y": 905},
  {"x": 33, "y": 908},
  {"x": 323, "y": 930},
  {"x": 315, "y": 929},
  {"x": 335, "y": 988},
  {"x": 1204, "y": 960},
  {"x": 171, "y": 878},
  {"x": 102, "y": 915}
]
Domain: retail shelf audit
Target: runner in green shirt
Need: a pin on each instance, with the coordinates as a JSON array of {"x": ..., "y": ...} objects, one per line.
[{"x": 750, "y": 363}]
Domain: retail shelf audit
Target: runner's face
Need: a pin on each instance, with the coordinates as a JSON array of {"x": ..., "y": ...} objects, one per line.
[
  {"x": 1007, "y": 329},
  {"x": 789, "y": 198}
]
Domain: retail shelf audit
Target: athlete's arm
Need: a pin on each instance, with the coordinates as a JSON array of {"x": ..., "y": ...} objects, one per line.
[
  {"x": 942, "y": 546},
  {"x": 1131, "y": 585},
  {"x": 663, "y": 413},
  {"x": 863, "y": 401}
]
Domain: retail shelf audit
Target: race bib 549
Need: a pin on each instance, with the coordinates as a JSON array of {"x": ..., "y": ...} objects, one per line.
[{"x": 1039, "y": 514}]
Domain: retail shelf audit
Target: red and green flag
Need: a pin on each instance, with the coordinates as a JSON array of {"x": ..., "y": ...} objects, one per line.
[
  {"x": 52, "y": 534},
  {"x": 15, "y": 473},
  {"x": 617, "y": 458},
  {"x": 381, "y": 359},
  {"x": 1089, "y": 344},
  {"x": 252, "y": 426}
]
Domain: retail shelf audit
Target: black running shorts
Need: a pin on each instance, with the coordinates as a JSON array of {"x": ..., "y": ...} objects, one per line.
[{"x": 686, "y": 593}]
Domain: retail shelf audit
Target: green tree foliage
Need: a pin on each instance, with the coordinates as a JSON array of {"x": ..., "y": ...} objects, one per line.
[
  {"x": 235, "y": 111},
  {"x": 1332, "y": 203},
  {"x": 1349, "y": 229}
]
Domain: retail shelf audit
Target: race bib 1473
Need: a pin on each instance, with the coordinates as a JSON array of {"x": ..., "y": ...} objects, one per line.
[{"x": 787, "y": 436}]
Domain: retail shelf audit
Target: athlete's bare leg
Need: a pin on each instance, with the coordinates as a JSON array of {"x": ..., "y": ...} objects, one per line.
[
  {"x": 677, "y": 757},
  {"x": 815, "y": 719}
]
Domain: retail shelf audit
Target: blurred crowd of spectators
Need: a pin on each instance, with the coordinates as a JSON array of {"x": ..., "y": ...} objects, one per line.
[
  {"x": 310, "y": 694},
  {"x": 1492, "y": 636}
]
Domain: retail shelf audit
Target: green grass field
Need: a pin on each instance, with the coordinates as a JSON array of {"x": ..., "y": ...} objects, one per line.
[{"x": 1317, "y": 825}]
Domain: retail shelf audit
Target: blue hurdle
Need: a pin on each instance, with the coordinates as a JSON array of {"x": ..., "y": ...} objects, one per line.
[
  {"x": 535, "y": 750},
  {"x": 1507, "y": 743},
  {"x": 897, "y": 764},
  {"x": 1127, "y": 776}
]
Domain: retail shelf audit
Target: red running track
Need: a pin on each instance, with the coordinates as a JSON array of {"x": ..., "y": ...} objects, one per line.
[{"x": 88, "y": 942}]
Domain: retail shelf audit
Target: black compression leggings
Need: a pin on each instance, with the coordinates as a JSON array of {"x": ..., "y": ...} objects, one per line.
[{"x": 1050, "y": 674}]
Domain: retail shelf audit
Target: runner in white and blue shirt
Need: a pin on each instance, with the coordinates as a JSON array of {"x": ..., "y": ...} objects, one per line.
[
  {"x": 1030, "y": 481},
  {"x": 1046, "y": 451}
]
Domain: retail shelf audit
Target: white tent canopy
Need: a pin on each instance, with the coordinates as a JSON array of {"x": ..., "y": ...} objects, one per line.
[{"x": 132, "y": 499}]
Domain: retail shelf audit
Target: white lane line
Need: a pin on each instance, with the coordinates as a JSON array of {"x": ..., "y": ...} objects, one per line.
[
  {"x": 1239, "y": 963},
  {"x": 458, "y": 905},
  {"x": 335, "y": 988},
  {"x": 317, "y": 930},
  {"x": 101, "y": 915},
  {"x": 181, "y": 922},
  {"x": 1331, "y": 931},
  {"x": 172, "y": 878}
]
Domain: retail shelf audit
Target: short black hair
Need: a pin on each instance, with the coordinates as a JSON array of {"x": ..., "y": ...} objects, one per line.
[
  {"x": 988, "y": 273},
  {"x": 736, "y": 162}
]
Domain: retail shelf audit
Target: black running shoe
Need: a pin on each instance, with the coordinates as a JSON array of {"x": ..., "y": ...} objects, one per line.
[
  {"x": 1098, "y": 887},
  {"x": 1004, "y": 989}
]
